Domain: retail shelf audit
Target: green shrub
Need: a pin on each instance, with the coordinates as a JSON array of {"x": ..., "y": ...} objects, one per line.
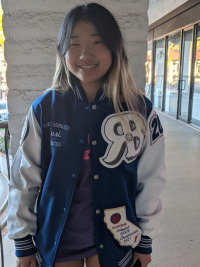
[{"x": 2, "y": 144}]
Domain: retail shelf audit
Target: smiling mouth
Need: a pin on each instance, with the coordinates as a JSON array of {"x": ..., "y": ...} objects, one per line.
[{"x": 87, "y": 66}]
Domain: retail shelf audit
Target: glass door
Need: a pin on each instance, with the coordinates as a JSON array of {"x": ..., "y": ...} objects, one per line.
[
  {"x": 184, "y": 83},
  {"x": 196, "y": 94},
  {"x": 159, "y": 73},
  {"x": 173, "y": 67},
  {"x": 148, "y": 66}
]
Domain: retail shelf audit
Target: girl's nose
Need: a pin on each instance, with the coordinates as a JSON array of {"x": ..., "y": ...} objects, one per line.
[{"x": 86, "y": 53}]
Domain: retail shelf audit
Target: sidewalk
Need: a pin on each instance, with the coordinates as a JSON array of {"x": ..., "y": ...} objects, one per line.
[{"x": 179, "y": 243}]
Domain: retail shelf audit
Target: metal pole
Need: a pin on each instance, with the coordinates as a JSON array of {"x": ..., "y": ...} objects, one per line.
[{"x": 1, "y": 244}]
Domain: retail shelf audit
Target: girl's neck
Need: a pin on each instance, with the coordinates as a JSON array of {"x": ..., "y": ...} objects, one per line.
[{"x": 91, "y": 90}]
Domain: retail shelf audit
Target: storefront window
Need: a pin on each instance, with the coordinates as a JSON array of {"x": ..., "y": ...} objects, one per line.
[
  {"x": 159, "y": 73},
  {"x": 196, "y": 95},
  {"x": 148, "y": 66},
  {"x": 185, "y": 76},
  {"x": 173, "y": 67}
]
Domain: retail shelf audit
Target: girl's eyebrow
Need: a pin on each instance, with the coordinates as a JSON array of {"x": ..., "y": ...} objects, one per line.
[
  {"x": 94, "y": 34},
  {"x": 76, "y": 36}
]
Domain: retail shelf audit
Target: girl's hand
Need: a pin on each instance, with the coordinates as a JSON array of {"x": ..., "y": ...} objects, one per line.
[
  {"x": 144, "y": 259},
  {"x": 29, "y": 261}
]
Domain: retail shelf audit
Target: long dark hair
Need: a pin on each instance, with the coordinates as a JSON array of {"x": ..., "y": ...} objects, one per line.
[{"x": 118, "y": 83}]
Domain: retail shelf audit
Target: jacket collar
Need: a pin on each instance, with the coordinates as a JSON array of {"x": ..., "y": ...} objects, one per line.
[{"x": 80, "y": 93}]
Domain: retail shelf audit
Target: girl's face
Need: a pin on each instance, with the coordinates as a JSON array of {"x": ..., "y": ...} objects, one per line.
[{"x": 87, "y": 57}]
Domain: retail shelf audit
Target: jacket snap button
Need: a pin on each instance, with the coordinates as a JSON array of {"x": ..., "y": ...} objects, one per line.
[
  {"x": 94, "y": 142},
  {"x": 101, "y": 246},
  {"x": 94, "y": 107},
  {"x": 98, "y": 211},
  {"x": 96, "y": 176}
]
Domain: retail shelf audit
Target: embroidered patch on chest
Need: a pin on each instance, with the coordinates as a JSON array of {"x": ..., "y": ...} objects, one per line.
[
  {"x": 125, "y": 138},
  {"x": 56, "y": 130},
  {"x": 156, "y": 128},
  {"x": 125, "y": 232}
]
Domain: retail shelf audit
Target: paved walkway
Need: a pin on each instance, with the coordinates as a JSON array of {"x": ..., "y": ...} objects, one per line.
[{"x": 179, "y": 243}]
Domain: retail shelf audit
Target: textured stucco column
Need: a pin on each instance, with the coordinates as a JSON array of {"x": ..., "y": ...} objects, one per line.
[{"x": 31, "y": 28}]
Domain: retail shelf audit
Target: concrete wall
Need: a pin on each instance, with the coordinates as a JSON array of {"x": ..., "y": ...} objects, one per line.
[
  {"x": 159, "y": 8},
  {"x": 31, "y": 28}
]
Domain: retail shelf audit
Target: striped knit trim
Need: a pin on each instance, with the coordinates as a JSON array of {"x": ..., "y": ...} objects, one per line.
[
  {"x": 39, "y": 259},
  {"x": 127, "y": 261},
  {"x": 145, "y": 242},
  {"x": 78, "y": 93},
  {"x": 126, "y": 258},
  {"x": 24, "y": 244},
  {"x": 102, "y": 97}
]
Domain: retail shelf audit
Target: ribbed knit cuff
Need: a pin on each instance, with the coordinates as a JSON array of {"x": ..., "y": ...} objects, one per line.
[
  {"x": 145, "y": 245},
  {"x": 24, "y": 246}
]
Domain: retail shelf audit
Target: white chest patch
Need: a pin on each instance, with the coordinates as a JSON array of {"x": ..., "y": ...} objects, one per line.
[{"x": 124, "y": 143}]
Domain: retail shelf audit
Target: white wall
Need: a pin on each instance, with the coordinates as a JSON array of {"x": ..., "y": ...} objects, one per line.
[
  {"x": 159, "y": 8},
  {"x": 31, "y": 28}
]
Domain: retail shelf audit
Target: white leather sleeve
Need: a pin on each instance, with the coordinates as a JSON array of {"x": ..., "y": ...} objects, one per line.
[
  {"x": 151, "y": 179},
  {"x": 25, "y": 181}
]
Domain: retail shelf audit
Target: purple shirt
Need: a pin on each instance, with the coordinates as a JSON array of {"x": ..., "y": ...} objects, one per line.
[{"x": 77, "y": 240}]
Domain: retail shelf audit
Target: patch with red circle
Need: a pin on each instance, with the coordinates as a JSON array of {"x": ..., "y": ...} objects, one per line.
[{"x": 115, "y": 218}]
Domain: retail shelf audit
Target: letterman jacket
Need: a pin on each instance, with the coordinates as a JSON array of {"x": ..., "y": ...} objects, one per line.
[{"x": 127, "y": 172}]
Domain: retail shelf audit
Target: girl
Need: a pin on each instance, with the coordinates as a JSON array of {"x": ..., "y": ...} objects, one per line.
[{"x": 90, "y": 168}]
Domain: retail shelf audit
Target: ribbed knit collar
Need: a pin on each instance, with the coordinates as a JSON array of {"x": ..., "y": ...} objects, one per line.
[{"x": 80, "y": 93}]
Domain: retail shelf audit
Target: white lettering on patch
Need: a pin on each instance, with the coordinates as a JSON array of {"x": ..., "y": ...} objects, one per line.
[
  {"x": 56, "y": 134},
  {"x": 56, "y": 125},
  {"x": 54, "y": 143}
]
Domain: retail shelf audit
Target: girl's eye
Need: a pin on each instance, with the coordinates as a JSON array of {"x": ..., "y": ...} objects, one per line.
[
  {"x": 98, "y": 42},
  {"x": 73, "y": 45}
]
